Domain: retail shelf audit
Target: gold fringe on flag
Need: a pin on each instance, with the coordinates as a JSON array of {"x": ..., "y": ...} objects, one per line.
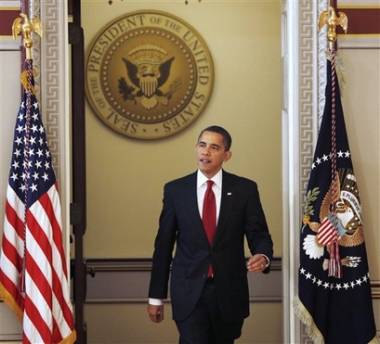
[{"x": 10, "y": 301}]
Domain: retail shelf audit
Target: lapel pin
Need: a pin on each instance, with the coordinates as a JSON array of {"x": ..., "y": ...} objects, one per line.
[{"x": 229, "y": 193}]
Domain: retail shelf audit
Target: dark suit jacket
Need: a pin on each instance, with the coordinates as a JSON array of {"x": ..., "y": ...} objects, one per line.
[{"x": 240, "y": 215}]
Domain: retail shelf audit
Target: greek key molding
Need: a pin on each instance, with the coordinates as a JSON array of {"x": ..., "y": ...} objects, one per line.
[
  {"x": 308, "y": 94},
  {"x": 307, "y": 13},
  {"x": 50, "y": 59}
]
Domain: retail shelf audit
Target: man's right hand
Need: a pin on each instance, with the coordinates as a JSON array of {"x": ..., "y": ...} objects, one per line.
[{"x": 156, "y": 313}]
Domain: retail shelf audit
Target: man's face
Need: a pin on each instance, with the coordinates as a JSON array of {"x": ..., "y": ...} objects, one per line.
[{"x": 211, "y": 153}]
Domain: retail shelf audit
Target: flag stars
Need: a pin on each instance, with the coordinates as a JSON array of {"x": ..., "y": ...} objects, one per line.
[
  {"x": 41, "y": 141},
  {"x": 365, "y": 279},
  {"x": 319, "y": 283},
  {"x": 33, "y": 140},
  {"x": 347, "y": 154},
  {"x": 38, "y": 164},
  {"x": 359, "y": 281},
  {"x": 346, "y": 286},
  {"x": 41, "y": 130},
  {"x": 17, "y": 152},
  {"x": 35, "y": 116},
  {"x": 308, "y": 275},
  {"x": 47, "y": 154},
  {"x": 35, "y": 105},
  {"x": 35, "y": 176},
  {"x": 47, "y": 165},
  {"x": 302, "y": 271},
  {"x": 39, "y": 152},
  {"x": 325, "y": 157},
  {"x": 318, "y": 161},
  {"x": 312, "y": 166},
  {"x": 33, "y": 187},
  {"x": 325, "y": 285},
  {"x": 15, "y": 165},
  {"x": 22, "y": 187},
  {"x": 19, "y": 129},
  {"x": 14, "y": 177},
  {"x": 340, "y": 154},
  {"x": 20, "y": 116},
  {"x": 34, "y": 128},
  {"x": 18, "y": 141},
  {"x": 352, "y": 284},
  {"x": 314, "y": 279},
  {"x": 338, "y": 286},
  {"x": 45, "y": 177}
]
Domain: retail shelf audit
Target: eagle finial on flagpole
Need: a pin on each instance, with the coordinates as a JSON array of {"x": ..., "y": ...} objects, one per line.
[
  {"x": 24, "y": 26},
  {"x": 332, "y": 20}
]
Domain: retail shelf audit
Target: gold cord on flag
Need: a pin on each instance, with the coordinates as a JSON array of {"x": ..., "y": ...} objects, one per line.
[{"x": 333, "y": 20}]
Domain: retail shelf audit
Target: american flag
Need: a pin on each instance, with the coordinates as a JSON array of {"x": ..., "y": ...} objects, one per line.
[
  {"x": 327, "y": 233},
  {"x": 33, "y": 272}
]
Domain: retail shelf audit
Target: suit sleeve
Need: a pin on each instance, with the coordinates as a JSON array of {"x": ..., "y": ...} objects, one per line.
[
  {"x": 163, "y": 248},
  {"x": 256, "y": 228}
]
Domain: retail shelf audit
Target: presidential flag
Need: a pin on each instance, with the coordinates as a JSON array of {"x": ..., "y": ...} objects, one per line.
[
  {"x": 33, "y": 269},
  {"x": 334, "y": 283}
]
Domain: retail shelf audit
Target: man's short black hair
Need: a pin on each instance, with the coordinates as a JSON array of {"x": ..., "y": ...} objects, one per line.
[{"x": 227, "y": 140}]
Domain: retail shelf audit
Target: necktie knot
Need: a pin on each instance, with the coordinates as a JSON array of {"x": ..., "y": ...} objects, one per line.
[{"x": 210, "y": 183}]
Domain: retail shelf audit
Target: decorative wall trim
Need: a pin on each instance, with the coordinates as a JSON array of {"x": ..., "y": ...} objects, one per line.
[
  {"x": 311, "y": 96},
  {"x": 127, "y": 281},
  {"x": 54, "y": 84}
]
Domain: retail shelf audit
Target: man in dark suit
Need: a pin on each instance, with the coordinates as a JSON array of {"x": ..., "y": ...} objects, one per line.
[{"x": 207, "y": 214}]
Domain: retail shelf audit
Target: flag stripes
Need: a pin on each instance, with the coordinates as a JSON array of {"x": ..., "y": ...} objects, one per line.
[
  {"x": 33, "y": 269},
  {"x": 327, "y": 233}
]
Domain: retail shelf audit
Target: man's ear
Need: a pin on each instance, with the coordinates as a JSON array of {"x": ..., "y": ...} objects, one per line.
[{"x": 227, "y": 155}]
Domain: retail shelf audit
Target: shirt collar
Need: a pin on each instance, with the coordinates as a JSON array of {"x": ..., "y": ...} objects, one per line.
[{"x": 217, "y": 179}]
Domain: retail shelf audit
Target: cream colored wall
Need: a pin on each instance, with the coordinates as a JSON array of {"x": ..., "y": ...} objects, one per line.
[
  {"x": 361, "y": 105},
  {"x": 125, "y": 177},
  {"x": 264, "y": 326}
]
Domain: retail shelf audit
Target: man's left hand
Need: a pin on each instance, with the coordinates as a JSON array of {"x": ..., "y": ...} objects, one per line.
[{"x": 257, "y": 263}]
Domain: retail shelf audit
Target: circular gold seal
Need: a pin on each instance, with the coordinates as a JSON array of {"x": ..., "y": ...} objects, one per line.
[{"x": 149, "y": 74}]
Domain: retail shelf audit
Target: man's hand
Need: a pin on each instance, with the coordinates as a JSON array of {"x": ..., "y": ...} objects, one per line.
[
  {"x": 156, "y": 313},
  {"x": 257, "y": 263}
]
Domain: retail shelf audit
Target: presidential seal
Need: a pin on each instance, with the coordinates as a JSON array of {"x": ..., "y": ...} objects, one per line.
[{"x": 149, "y": 75}]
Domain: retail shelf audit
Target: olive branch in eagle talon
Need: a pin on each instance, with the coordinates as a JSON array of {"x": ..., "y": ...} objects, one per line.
[{"x": 311, "y": 197}]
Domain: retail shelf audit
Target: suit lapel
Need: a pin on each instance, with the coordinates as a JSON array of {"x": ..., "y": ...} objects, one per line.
[{"x": 225, "y": 204}]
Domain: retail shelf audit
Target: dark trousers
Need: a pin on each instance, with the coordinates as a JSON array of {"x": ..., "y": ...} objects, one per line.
[{"x": 205, "y": 324}]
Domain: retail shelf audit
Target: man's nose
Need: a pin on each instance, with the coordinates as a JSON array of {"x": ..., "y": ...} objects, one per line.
[{"x": 206, "y": 150}]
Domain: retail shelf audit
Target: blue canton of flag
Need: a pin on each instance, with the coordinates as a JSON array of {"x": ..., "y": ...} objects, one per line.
[{"x": 30, "y": 177}]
